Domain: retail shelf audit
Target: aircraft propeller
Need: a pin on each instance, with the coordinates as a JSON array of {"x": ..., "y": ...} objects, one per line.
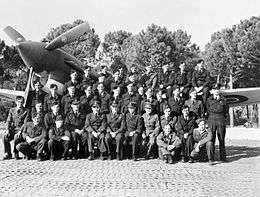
[
  {"x": 14, "y": 35},
  {"x": 69, "y": 36}
]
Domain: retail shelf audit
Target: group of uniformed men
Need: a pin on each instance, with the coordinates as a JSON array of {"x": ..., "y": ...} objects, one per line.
[{"x": 170, "y": 115}]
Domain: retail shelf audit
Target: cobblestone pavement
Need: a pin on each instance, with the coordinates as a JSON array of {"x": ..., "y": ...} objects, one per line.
[{"x": 239, "y": 177}]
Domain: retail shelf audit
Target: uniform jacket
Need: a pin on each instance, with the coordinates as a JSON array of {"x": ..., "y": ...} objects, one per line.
[
  {"x": 176, "y": 105},
  {"x": 149, "y": 80},
  {"x": 182, "y": 79},
  {"x": 34, "y": 131},
  {"x": 16, "y": 118},
  {"x": 104, "y": 99},
  {"x": 159, "y": 106},
  {"x": 77, "y": 85},
  {"x": 196, "y": 107},
  {"x": 33, "y": 97},
  {"x": 202, "y": 138},
  {"x": 74, "y": 121},
  {"x": 217, "y": 110},
  {"x": 166, "y": 79},
  {"x": 66, "y": 102},
  {"x": 132, "y": 122},
  {"x": 171, "y": 120},
  {"x": 166, "y": 140},
  {"x": 153, "y": 101},
  {"x": 127, "y": 98},
  {"x": 151, "y": 124},
  {"x": 49, "y": 120},
  {"x": 200, "y": 78},
  {"x": 48, "y": 100},
  {"x": 85, "y": 104},
  {"x": 96, "y": 123},
  {"x": 56, "y": 134},
  {"x": 114, "y": 122},
  {"x": 185, "y": 126}
]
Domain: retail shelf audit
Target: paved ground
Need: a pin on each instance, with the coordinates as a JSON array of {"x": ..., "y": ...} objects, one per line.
[{"x": 239, "y": 177}]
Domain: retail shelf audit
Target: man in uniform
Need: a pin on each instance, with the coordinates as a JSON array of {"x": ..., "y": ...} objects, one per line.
[
  {"x": 132, "y": 126},
  {"x": 116, "y": 97},
  {"x": 51, "y": 97},
  {"x": 168, "y": 118},
  {"x": 95, "y": 125},
  {"x": 168, "y": 143},
  {"x": 88, "y": 78},
  {"x": 149, "y": 98},
  {"x": 184, "y": 127},
  {"x": 151, "y": 129},
  {"x": 35, "y": 136},
  {"x": 200, "y": 80},
  {"x": 114, "y": 130},
  {"x": 68, "y": 98},
  {"x": 166, "y": 78},
  {"x": 217, "y": 112},
  {"x": 15, "y": 120},
  {"x": 176, "y": 101},
  {"x": 203, "y": 140},
  {"x": 59, "y": 140},
  {"x": 149, "y": 79},
  {"x": 160, "y": 102},
  {"x": 74, "y": 122},
  {"x": 86, "y": 99},
  {"x": 130, "y": 96},
  {"x": 196, "y": 106},
  {"x": 49, "y": 118},
  {"x": 104, "y": 98},
  {"x": 35, "y": 95},
  {"x": 74, "y": 81}
]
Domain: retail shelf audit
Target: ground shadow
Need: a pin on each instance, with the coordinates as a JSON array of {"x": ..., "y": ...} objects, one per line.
[{"x": 235, "y": 153}]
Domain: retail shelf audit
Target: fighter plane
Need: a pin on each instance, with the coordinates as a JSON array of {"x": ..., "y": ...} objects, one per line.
[{"x": 40, "y": 57}]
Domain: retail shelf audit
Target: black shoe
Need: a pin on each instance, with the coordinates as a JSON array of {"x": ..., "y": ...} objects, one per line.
[
  {"x": 134, "y": 158},
  {"x": 7, "y": 157},
  {"x": 16, "y": 156},
  {"x": 191, "y": 160},
  {"x": 183, "y": 160},
  {"x": 146, "y": 157},
  {"x": 91, "y": 157}
]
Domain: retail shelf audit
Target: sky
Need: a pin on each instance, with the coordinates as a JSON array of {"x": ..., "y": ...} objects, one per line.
[{"x": 200, "y": 18}]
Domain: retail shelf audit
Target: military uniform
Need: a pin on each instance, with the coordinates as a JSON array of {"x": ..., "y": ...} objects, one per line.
[
  {"x": 95, "y": 123},
  {"x": 66, "y": 102},
  {"x": 89, "y": 80},
  {"x": 176, "y": 105},
  {"x": 114, "y": 122},
  {"x": 85, "y": 104},
  {"x": 217, "y": 111},
  {"x": 171, "y": 120},
  {"x": 201, "y": 78},
  {"x": 153, "y": 102},
  {"x": 196, "y": 107},
  {"x": 159, "y": 106},
  {"x": 104, "y": 99},
  {"x": 152, "y": 129},
  {"x": 39, "y": 133},
  {"x": 15, "y": 120},
  {"x": 166, "y": 79},
  {"x": 127, "y": 98},
  {"x": 72, "y": 122},
  {"x": 132, "y": 123},
  {"x": 33, "y": 97},
  {"x": 77, "y": 85},
  {"x": 204, "y": 140},
  {"x": 164, "y": 141},
  {"x": 149, "y": 80},
  {"x": 49, "y": 120},
  {"x": 183, "y": 80},
  {"x": 57, "y": 146},
  {"x": 185, "y": 126},
  {"x": 48, "y": 100}
]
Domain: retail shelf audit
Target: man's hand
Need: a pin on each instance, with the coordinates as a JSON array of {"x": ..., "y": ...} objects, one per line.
[
  {"x": 113, "y": 134},
  {"x": 79, "y": 131},
  {"x": 170, "y": 147},
  {"x": 131, "y": 133},
  {"x": 185, "y": 135},
  {"x": 143, "y": 136},
  {"x": 65, "y": 138}
]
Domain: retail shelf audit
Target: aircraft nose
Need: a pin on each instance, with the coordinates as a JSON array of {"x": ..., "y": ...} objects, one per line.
[{"x": 27, "y": 53}]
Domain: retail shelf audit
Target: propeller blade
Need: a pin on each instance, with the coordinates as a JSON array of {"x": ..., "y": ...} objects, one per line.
[
  {"x": 14, "y": 35},
  {"x": 26, "y": 93},
  {"x": 69, "y": 36}
]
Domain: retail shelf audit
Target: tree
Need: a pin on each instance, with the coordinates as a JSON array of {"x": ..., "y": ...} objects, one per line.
[{"x": 84, "y": 47}]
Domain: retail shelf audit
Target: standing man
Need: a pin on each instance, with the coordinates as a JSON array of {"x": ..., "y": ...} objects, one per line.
[
  {"x": 51, "y": 97},
  {"x": 176, "y": 101},
  {"x": 15, "y": 120},
  {"x": 196, "y": 106},
  {"x": 68, "y": 98},
  {"x": 217, "y": 112},
  {"x": 74, "y": 81}
]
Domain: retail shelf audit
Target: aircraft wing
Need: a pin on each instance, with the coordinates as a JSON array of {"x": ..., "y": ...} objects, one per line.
[
  {"x": 7, "y": 94},
  {"x": 242, "y": 96}
]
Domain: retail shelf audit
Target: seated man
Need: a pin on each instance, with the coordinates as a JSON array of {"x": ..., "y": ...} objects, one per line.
[
  {"x": 74, "y": 122},
  {"x": 168, "y": 143},
  {"x": 59, "y": 140},
  {"x": 196, "y": 106},
  {"x": 36, "y": 138},
  {"x": 132, "y": 126},
  {"x": 15, "y": 120},
  {"x": 114, "y": 131},
  {"x": 203, "y": 139},
  {"x": 152, "y": 129},
  {"x": 167, "y": 117},
  {"x": 95, "y": 125},
  {"x": 184, "y": 127}
]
